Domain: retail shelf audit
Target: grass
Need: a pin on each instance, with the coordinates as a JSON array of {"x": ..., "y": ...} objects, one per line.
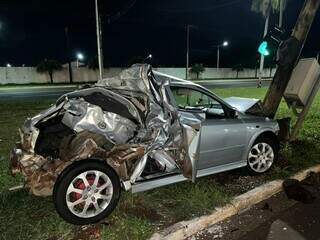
[{"x": 23, "y": 216}]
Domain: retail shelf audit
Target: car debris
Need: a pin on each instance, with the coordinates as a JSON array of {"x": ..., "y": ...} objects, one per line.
[
  {"x": 137, "y": 131},
  {"x": 124, "y": 121}
]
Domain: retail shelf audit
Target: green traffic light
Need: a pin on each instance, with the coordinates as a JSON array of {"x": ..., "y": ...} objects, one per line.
[{"x": 263, "y": 49}]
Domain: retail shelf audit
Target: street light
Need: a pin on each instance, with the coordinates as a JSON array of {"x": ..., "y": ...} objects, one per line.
[
  {"x": 80, "y": 57},
  {"x": 224, "y": 44},
  {"x": 149, "y": 57},
  {"x": 9, "y": 65}
]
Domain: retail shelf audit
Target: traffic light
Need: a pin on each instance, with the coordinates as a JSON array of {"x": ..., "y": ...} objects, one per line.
[
  {"x": 271, "y": 42},
  {"x": 263, "y": 49}
]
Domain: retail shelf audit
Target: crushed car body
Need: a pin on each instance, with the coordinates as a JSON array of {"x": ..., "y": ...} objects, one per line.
[{"x": 126, "y": 121}]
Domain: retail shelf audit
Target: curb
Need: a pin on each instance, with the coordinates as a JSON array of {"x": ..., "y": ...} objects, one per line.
[{"x": 184, "y": 229}]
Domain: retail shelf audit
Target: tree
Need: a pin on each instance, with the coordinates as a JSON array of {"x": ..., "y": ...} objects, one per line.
[
  {"x": 289, "y": 53},
  {"x": 94, "y": 63},
  {"x": 197, "y": 68},
  {"x": 49, "y": 66},
  {"x": 238, "y": 68},
  {"x": 264, "y": 6}
]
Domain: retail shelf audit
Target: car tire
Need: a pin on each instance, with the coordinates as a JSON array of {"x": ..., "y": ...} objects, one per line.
[
  {"x": 262, "y": 155},
  {"x": 87, "y": 192}
]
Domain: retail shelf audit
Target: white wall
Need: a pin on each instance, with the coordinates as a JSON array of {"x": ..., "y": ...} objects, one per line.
[
  {"x": 24, "y": 75},
  {"x": 213, "y": 73}
]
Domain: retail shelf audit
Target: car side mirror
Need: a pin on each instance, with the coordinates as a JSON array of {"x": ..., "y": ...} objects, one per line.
[{"x": 233, "y": 113}]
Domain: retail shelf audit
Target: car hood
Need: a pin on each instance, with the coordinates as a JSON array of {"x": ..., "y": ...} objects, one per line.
[{"x": 243, "y": 104}]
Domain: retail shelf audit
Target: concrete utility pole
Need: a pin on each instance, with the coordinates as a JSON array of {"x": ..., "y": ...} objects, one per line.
[
  {"x": 99, "y": 41},
  {"x": 289, "y": 53},
  {"x": 188, "y": 50}
]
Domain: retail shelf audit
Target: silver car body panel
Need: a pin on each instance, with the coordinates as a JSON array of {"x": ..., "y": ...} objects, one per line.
[
  {"x": 150, "y": 125},
  {"x": 225, "y": 143},
  {"x": 167, "y": 180}
]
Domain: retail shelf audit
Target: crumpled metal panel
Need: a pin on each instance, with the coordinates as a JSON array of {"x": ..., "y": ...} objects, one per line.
[
  {"x": 163, "y": 129},
  {"x": 81, "y": 115},
  {"x": 29, "y": 133},
  {"x": 159, "y": 132}
]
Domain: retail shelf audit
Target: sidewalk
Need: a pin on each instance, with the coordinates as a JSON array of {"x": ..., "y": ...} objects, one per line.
[{"x": 276, "y": 218}]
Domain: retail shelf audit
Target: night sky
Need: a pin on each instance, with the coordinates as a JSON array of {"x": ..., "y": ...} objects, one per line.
[{"x": 33, "y": 30}]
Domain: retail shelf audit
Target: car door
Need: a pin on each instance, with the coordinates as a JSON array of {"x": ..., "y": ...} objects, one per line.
[{"x": 223, "y": 136}]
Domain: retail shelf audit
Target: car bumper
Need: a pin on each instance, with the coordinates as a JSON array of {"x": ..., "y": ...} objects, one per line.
[{"x": 39, "y": 181}]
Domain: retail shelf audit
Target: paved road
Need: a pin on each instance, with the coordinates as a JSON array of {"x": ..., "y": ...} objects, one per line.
[
  {"x": 274, "y": 219},
  {"x": 56, "y": 91},
  {"x": 232, "y": 83},
  {"x": 34, "y": 92}
]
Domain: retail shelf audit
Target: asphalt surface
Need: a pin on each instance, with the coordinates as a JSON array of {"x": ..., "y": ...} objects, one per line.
[
  {"x": 233, "y": 83},
  {"x": 53, "y": 92},
  {"x": 26, "y": 92},
  {"x": 277, "y": 218}
]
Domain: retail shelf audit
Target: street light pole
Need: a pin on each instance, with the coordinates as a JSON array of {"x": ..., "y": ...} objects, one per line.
[
  {"x": 68, "y": 54},
  {"x": 79, "y": 57},
  {"x": 224, "y": 44},
  {"x": 99, "y": 40},
  {"x": 266, "y": 26},
  {"x": 188, "y": 49},
  {"x": 218, "y": 57},
  {"x": 281, "y": 2}
]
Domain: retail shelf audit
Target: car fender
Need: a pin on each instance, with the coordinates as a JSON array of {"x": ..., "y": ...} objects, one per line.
[{"x": 254, "y": 138}]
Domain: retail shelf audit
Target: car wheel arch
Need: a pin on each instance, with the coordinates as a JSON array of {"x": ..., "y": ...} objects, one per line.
[
  {"x": 268, "y": 133},
  {"x": 72, "y": 165},
  {"x": 271, "y": 135}
]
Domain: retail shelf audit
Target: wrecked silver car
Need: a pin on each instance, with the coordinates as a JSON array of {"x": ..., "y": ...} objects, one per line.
[{"x": 137, "y": 131}]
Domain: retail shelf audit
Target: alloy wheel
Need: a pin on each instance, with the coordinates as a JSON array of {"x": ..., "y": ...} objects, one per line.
[
  {"x": 261, "y": 157},
  {"x": 89, "y": 194}
]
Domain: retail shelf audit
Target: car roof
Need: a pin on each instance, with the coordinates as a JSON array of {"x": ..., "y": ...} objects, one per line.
[{"x": 177, "y": 81}]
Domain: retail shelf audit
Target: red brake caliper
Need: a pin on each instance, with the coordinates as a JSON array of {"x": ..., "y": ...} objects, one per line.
[{"x": 80, "y": 185}]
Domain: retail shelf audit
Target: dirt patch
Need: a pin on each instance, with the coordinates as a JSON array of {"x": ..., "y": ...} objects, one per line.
[
  {"x": 143, "y": 212},
  {"x": 53, "y": 238},
  {"x": 239, "y": 181},
  {"x": 89, "y": 232},
  {"x": 138, "y": 208}
]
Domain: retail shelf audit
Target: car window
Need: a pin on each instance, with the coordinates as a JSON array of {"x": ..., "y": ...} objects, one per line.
[{"x": 187, "y": 98}]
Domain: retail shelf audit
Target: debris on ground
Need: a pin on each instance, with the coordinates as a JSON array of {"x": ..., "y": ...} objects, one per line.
[
  {"x": 88, "y": 232},
  {"x": 295, "y": 190}
]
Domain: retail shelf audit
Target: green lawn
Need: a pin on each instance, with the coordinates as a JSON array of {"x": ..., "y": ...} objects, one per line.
[{"x": 137, "y": 216}]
